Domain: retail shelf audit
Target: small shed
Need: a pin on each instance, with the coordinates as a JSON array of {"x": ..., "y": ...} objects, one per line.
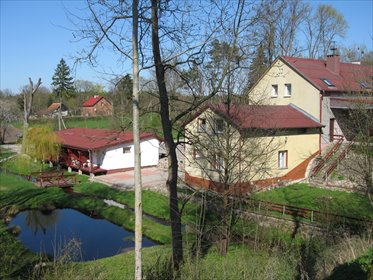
[
  {"x": 97, "y": 106},
  {"x": 100, "y": 151},
  {"x": 53, "y": 110}
]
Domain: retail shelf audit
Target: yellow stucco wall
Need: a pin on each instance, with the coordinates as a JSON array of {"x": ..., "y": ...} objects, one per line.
[
  {"x": 299, "y": 147},
  {"x": 304, "y": 95}
]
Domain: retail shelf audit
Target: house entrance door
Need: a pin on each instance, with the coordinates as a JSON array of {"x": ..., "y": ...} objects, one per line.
[{"x": 331, "y": 129}]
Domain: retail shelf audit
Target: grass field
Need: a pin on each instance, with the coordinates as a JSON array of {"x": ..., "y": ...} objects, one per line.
[
  {"x": 149, "y": 122},
  {"x": 306, "y": 196}
]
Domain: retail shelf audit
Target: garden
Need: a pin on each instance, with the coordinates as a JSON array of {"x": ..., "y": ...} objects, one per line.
[{"x": 256, "y": 252}]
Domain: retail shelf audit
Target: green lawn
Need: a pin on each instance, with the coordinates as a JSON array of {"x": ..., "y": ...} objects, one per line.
[{"x": 306, "y": 196}]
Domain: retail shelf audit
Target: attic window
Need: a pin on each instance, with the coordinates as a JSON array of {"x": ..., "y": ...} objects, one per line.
[{"x": 327, "y": 82}]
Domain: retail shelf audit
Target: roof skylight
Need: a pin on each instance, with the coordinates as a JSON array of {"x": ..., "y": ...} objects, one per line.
[{"x": 327, "y": 82}]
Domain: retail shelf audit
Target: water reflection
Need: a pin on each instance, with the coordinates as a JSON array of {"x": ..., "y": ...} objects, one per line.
[
  {"x": 68, "y": 230},
  {"x": 38, "y": 220}
]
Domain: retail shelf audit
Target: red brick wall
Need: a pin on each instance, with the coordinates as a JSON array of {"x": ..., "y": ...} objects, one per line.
[
  {"x": 101, "y": 108},
  {"x": 237, "y": 189}
]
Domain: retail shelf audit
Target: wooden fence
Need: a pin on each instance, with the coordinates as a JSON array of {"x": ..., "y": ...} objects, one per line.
[{"x": 303, "y": 214}]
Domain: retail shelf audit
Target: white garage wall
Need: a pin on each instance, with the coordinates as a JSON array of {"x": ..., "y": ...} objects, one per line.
[{"x": 114, "y": 158}]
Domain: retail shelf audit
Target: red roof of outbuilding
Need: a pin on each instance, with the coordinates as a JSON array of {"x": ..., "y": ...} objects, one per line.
[
  {"x": 348, "y": 78},
  {"x": 264, "y": 116},
  {"x": 92, "y": 101},
  {"x": 91, "y": 139}
]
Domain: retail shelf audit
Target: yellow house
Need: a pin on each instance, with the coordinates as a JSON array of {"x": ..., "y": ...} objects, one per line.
[
  {"x": 325, "y": 89},
  {"x": 240, "y": 147}
]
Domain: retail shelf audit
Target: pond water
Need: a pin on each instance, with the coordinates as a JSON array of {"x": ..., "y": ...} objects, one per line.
[{"x": 69, "y": 232}]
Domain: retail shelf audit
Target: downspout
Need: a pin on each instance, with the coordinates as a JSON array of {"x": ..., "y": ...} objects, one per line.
[{"x": 321, "y": 100}]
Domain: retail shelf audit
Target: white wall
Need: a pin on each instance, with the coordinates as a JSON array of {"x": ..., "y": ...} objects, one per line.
[{"x": 114, "y": 158}]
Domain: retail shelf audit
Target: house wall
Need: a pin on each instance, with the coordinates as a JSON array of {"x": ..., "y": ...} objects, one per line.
[
  {"x": 304, "y": 95},
  {"x": 101, "y": 108},
  {"x": 114, "y": 158},
  {"x": 300, "y": 147}
]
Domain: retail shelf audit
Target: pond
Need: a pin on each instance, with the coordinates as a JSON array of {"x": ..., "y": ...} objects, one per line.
[{"x": 68, "y": 232}]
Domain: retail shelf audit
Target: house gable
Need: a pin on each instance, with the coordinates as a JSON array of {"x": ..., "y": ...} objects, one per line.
[{"x": 280, "y": 75}]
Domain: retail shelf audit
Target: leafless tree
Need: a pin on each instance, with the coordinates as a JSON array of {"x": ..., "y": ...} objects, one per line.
[
  {"x": 136, "y": 140},
  {"x": 356, "y": 122},
  {"x": 322, "y": 27},
  {"x": 174, "y": 36},
  {"x": 277, "y": 25},
  {"x": 8, "y": 113},
  {"x": 28, "y": 96}
]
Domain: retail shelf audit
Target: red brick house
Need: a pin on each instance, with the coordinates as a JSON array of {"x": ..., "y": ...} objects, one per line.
[{"x": 97, "y": 106}]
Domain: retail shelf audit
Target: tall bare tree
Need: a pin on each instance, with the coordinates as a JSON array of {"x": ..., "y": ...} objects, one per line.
[
  {"x": 28, "y": 96},
  {"x": 322, "y": 27},
  {"x": 136, "y": 139},
  {"x": 174, "y": 36}
]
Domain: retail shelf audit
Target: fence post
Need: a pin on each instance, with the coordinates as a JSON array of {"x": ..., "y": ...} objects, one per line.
[
  {"x": 311, "y": 216},
  {"x": 283, "y": 210}
]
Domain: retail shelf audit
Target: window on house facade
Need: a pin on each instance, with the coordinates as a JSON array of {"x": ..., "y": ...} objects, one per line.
[
  {"x": 274, "y": 90},
  {"x": 126, "y": 150},
  {"x": 282, "y": 159},
  {"x": 218, "y": 125},
  {"x": 201, "y": 126},
  {"x": 197, "y": 154},
  {"x": 217, "y": 162},
  {"x": 327, "y": 82},
  {"x": 287, "y": 90}
]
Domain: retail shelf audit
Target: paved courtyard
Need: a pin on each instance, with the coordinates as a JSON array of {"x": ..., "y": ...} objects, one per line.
[{"x": 153, "y": 178}]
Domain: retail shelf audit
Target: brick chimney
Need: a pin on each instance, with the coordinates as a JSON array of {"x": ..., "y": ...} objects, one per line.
[{"x": 333, "y": 63}]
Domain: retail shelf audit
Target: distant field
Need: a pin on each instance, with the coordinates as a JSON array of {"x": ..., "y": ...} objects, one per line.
[
  {"x": 150, "y": 122},
  {"x": 306, "y": 196}
]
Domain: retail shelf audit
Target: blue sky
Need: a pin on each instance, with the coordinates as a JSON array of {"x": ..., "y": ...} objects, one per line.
[{"x": 34, "y": 36}]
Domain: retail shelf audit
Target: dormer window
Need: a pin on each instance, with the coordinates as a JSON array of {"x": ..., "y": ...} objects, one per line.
[
  {"x": 287, "y": 90},
  {"x": 327, "y": 82}
]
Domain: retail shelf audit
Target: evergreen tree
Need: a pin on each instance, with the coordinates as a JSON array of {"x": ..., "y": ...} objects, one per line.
[
  {"x": 257, "y": 66},
  {"x": 63, "y": 85}
]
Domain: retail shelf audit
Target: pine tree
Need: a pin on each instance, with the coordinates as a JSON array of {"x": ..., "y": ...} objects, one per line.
[
  {"x": 257, "y": 66},
  {"x": 63, "y": 85}
]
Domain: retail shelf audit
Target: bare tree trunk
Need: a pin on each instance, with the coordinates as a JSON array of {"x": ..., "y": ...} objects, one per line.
[
  {"x": 177, "y": 244},
  {"x": 28, "y": 96},
  {"x": 136, "y": 139}
]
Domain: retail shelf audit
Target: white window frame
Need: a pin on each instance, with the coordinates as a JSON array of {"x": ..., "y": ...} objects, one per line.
[
  {"x": 218, "y": 162},
  {"x": 197, "y": 154},
  {"x": 274, "y": 90},
  {"x": 287, "y": 90},
  {"x": 201, "y": 125},
  {"x": 219, "y": 125},
  {"x": 283, "y": 159}
]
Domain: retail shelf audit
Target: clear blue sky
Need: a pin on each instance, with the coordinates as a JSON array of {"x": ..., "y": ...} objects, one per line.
[{"x": 34, "y": 36}]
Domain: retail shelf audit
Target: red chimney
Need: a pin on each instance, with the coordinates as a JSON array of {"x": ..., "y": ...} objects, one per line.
[{"x": 333, "y": 63}]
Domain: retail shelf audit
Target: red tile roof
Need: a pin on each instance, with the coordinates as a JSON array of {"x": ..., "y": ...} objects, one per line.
[
  {"x": 92, "y": 139},
  {"x": 53, "y": 107},
  {"x": 264, "y": 116},
  {"x": 348, "y": 77},
  {"x": 92, "y": 101}
]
